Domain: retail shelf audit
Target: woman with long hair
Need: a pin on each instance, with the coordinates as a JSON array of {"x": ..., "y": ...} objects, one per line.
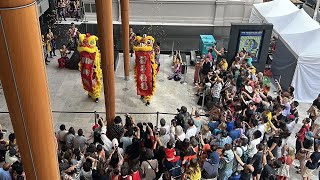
[
  {"x": 177, "y": 67},
  {"x": 194, "y": 171}
]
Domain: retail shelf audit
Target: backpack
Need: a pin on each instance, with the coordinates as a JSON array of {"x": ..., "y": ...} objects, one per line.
[
  {"x": 210, "y": 170},
  {"x": 3, "y": 149},
  {"x": 245, "y": 155},
  {"x": 177, "y": 77}
]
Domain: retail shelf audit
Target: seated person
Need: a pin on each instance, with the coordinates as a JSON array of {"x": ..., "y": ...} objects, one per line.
[
  {"x": 64, "y": 60},
  {"x": 177, "y": 67}
]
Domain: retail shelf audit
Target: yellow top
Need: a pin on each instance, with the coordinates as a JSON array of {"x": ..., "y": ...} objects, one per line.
[{"x": 195, "y": 173}]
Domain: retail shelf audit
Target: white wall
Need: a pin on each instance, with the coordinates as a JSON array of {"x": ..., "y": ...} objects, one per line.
[{"x": 198, "y": 12}]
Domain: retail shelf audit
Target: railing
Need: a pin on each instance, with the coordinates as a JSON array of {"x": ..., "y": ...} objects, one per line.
[{"x": 118, "y": 113}]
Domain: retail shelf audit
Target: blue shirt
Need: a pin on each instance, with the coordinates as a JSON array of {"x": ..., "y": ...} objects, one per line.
[
  {"x": 222, "y": 141},
  {"x": 230, "y": 126},
  {"x": 213, "y": 125},
  {"x": 235, "y": 134},
  {"x": 214, "y": 157},
  {"x": 5, "y": 175}
]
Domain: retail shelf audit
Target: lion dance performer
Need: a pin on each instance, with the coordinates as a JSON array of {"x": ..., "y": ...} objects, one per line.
[
  {"x": 89, "y": 65},
  {"x": 145, "y": 67}
]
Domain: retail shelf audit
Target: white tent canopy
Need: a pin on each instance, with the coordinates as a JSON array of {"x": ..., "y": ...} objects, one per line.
[
  {"x": 302, "y": 35},
  {"x": 287, "y": 24},
  {"x": 274, "y": 8}
]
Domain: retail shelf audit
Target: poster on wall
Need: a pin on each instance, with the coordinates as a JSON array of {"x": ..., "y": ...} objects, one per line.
[{"x": 250, "y": 41}]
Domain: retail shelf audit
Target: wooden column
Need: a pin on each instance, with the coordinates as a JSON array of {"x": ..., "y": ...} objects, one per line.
[
  {"x": 125, "y": 36},
  {"x": 25, "y": 86},
  {"x": 105, "y": 29}
]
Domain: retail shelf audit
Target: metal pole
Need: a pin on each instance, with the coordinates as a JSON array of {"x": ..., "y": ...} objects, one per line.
[
  {"x": 84, "y": 12},
  {"x": 172, "y": 50},
  {"x": 316, "y": 10},
  {"x": 157, "y": 118},
  {"x": 184, "y": 74},
  {"x": 203, "y": 97}
]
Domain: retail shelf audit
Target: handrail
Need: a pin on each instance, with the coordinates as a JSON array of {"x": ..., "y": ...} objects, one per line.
[
  {"x": 101, "y": 112},
  {"x": 119, "y": 113}
]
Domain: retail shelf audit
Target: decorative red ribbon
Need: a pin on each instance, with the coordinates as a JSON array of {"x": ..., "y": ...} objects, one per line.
[
  {"x": 143, "y": 73},
  {"x": 87, "y": 72}
]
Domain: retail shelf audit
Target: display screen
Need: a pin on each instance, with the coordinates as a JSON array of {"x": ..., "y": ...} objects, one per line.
[{"x": 250, "y": 41}]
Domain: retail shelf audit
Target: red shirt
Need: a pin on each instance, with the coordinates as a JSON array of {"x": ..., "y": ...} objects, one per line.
[
  {"x": 286, "y": 159},
  {"x": 302, "y": 132},
  {"x": 136, "y": 175}
]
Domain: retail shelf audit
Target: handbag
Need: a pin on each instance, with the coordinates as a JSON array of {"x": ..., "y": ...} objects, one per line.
[
  {"x": 209, "y": 169},
  {"x": 144, "y": 175},
  {"x": 284, "y": 169}
]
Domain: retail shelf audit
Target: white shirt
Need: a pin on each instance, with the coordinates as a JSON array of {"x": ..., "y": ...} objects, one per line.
[
  {"x": 107, "y": 142},
  {"x": 252, "y": 148},
  {"x": 167, "y": 127},
  {"x": 216, "y": 90},
  {"x": 290, "y": 126},
  {"x": 191, "y": 131},
  {"x": 10, "y": 159},
  {"x": 61, "y": 135},
  {"x": 262, "y": 128},
  {"x": 241, "y": 150}
]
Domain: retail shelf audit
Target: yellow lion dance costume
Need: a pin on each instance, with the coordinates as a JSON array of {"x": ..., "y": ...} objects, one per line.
[
  {"x": 89, "y": 65},
  {"x": 145, "y": 67}
]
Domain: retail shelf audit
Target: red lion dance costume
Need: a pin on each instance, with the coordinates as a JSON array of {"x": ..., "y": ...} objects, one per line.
[
  {"x": 89, "y": 65},
  {"x": 145, "y": 67}
]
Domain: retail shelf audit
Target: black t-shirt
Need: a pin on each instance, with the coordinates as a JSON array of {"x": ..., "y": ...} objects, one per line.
[
  {"x": 313, "y": 164},
  {"x": 206, "y": 68},
  {"x": 267, "y": 172},
  {"x": 257, "y": 160},
  {"x": 245, "y": 176},
  {"x": 239, "y": 81},
  {"x": 219, "y": 58},
  {"x": 316, "y": 103},
  {"x": 307, "y": 143}
]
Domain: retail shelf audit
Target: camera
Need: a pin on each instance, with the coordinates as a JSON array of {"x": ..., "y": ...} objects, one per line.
[
  {"x": 144, "y": 124},
  {"x": 135, "y": 129}
]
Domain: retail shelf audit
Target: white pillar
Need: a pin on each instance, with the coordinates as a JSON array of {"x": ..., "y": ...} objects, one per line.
[
  {"x": 219, "y": 14},
  {"x": 247, "y": 10}
]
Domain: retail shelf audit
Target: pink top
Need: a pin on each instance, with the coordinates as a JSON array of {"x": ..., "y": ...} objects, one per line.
[{"x": 210, "y": 56}]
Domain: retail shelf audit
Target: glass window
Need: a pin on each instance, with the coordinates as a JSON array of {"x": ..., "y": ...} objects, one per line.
[
  {"x": 93, "y": 8},
  {"x": 87, "y": 8}
]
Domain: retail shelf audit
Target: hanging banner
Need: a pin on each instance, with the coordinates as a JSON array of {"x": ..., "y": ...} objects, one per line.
[
  {"x": 143, "y": 73},
  {"x": 87, "y": 70}
]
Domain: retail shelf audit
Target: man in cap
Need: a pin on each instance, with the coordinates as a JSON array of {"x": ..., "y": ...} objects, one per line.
[{"x": 116, "y": 130}]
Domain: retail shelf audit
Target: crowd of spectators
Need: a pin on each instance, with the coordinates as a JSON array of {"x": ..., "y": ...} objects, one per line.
[{"x": 243, "y": 136}]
